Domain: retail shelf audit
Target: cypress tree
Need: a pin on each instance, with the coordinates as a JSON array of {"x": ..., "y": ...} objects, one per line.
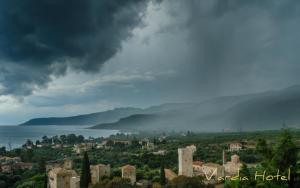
[
  {"x": 85, "y": 178},
  {"x": 46, "y": 181},
  {"x": 42, "y": 165},
  {"x": 162, "y": 174}
]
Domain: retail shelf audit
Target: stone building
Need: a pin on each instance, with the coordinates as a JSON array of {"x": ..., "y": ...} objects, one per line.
[
  {"x": 185, "y": 159},
  {"x": 68, "y": 164},
  {"x": 98, "y": 171},
  {"x": 129, "y": 172},
  {"x": 6, "y": 168},
  {"x": 208, "y": 170},
  {"x": 235, "y": 147},
  {"x": 75, "y": 182},
  {"x": 160, "y": 152},
  {"x": 197, "y": 167},
  {"x": 125, "y": 142},
  {"x": 61, "y": 178},
  {"x": 148, "y": 145},
  {"x": 232, "y": 167},
  {"x": 143, "y": 183},
  {"x": 80, "y": 148},
  {"x": 193, "y": 148},
  {"x": 9, "y": 164},
  {"x": 52, "y": 165},
  {"x": 212, "y": 169},
  {"x": 23, "y": 166}
]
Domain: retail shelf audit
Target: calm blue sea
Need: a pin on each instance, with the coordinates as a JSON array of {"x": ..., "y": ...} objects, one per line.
[{"x": 17, "y": 135}]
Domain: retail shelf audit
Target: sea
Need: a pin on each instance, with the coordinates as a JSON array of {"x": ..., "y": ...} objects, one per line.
[{"x": 15, "y": 136}]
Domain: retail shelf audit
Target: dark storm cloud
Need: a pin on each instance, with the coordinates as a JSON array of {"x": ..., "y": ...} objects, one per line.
[
  {"x": 20, "y": 81},
  {"x": 41, "y": 38}
]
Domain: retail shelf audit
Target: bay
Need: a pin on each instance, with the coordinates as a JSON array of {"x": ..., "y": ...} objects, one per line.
[{"x": 16, "y": 136}]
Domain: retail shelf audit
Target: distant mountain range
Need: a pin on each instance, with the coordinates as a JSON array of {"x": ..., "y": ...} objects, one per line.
[
  {"x": 101, "y": 117},
  {"x": 261, "y": 111},
  {"x": 87, "y": 119}
]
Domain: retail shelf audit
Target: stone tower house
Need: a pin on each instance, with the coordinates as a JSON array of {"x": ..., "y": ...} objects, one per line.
[
  {"x": 185, "y": 159},
  {"x": 98, "y": 171},
  {"x": 61, "y": 178},
  {"x": 68, "y": 164},
  {"x": 129, "y": 172}
]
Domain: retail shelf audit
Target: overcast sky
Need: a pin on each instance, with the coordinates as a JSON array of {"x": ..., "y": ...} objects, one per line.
[{"x": 68, "y": 57}]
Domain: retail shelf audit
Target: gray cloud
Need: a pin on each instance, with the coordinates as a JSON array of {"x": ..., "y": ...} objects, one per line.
[
  {"x": 41, "y": 38},
  {"x": 210, "y": 47},
  {"x": 216, "y": 47},
  {"x": 238, "y": 46}
]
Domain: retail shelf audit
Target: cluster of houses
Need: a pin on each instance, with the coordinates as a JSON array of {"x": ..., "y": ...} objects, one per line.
[
  {"x": 9, "y": 164},
  {"x": 105, "y": 144},
  {"x": 212, "y": 172},
  {"x": 65, "y": 177}
]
